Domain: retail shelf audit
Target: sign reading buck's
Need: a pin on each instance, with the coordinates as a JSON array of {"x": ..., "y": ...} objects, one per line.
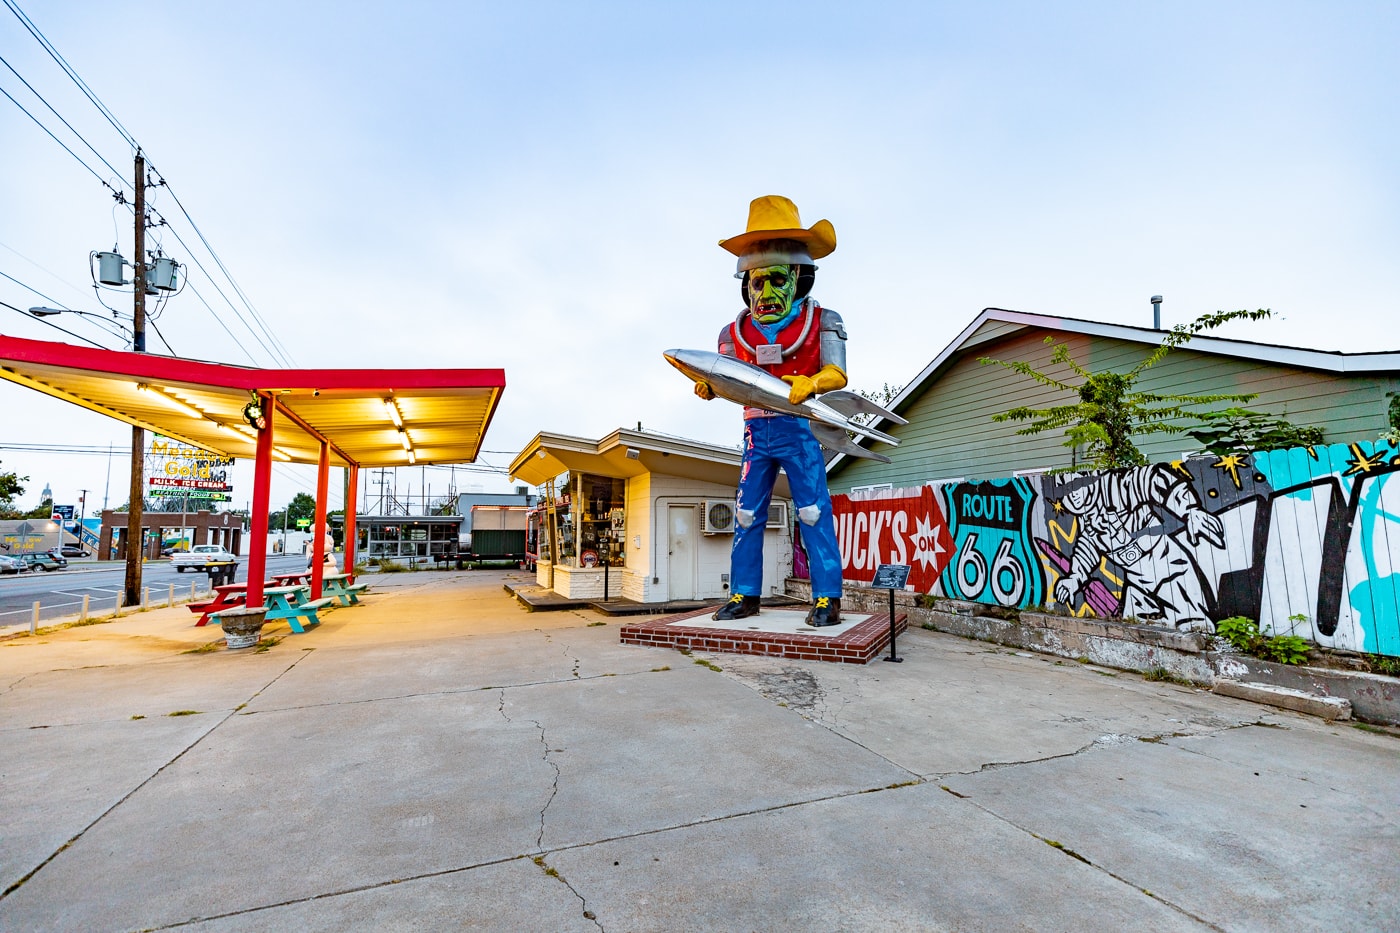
[{"x": 900, "y": 527}]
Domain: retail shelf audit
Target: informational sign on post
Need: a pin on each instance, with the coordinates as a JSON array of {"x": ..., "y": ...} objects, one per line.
[{"x": 891, "y": 577}]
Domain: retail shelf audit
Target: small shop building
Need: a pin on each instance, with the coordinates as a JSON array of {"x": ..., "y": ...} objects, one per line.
[{"x": 649, "y": 515}]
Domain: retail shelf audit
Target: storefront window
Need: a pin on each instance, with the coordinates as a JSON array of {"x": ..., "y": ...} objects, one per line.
[
  {"x": 600, "y": 519},
  {"x": 409, "y": 538}
]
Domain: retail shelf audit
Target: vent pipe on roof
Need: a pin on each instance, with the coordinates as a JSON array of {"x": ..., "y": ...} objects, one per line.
[{"x": 1156, "y": 312}]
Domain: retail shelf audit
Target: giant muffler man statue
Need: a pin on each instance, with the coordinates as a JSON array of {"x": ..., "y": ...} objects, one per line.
[{"x": 784, "y": 331}]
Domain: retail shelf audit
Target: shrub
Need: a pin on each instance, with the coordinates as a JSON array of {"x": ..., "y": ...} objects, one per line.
[
  {"x": 1244, "y": 634},
  {"x": 1284, "y": 649},
  {"x": 1241, "y": 632}
]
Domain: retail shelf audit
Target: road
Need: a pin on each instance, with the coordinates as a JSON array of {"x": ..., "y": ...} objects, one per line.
[{"x": 60, "y": 592}]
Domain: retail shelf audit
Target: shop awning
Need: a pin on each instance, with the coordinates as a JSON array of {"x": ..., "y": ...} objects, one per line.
[
  {"x": 444, "y": 413},
  {"x": 625, "y": 454}
]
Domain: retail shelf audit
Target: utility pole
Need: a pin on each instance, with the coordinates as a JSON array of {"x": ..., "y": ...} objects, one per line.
[
  {"x": 82, "y": 517},
  {"x": 135, "y": 542}
]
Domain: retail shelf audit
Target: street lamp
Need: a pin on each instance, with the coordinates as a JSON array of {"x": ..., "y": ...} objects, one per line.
[{"x": 124, "y": 333}]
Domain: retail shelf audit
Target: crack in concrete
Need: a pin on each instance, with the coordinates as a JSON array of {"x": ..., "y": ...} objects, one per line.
[
  {"x": 583, "y": 901},
  {"x": 449, "y": 691},
  {"x": 149, "y": 778},
  {"x": 1080, "y": 857},
  {"x": 554, "y": 785},
  {"x": 539, "y": 857}
]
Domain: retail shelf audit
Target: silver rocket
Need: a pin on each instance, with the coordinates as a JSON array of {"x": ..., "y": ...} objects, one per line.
[{"x": 747, "y": 384}]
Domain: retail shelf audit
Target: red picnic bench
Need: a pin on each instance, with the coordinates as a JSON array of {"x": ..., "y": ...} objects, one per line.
[{"x": 226, "y": 596}]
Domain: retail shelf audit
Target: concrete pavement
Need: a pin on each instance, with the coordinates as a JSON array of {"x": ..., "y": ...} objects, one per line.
[{"x": 439, "y": 758}]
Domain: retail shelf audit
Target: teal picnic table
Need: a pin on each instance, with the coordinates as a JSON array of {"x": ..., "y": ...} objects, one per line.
[
  {"x": 294, "y": 603},
  {"x": 338, "y": 585}
]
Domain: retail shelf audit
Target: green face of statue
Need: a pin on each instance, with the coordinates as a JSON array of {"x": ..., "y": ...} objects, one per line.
[{"x": 771, "y": 290}]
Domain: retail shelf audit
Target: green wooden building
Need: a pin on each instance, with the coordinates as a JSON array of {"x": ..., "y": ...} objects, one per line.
[{"x": 950, "y": 404}]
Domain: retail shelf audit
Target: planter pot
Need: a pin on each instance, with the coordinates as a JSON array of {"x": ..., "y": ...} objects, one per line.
[{"x": 242, "y": 627}]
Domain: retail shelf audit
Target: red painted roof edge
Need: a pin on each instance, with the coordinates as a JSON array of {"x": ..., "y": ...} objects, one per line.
[{"x": 199, "y": 372}]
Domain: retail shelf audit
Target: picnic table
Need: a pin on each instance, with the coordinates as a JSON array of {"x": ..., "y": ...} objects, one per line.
[
  {"x": 339, "y": 585},
  {"x": 226, "y": 596},
  {"x": 293, "y": 603}
]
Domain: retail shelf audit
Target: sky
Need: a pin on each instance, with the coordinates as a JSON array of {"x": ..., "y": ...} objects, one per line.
[{"x": 540, "y": 187}]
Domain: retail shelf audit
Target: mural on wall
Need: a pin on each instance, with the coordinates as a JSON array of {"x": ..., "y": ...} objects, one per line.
[
  {"x": 1304, "y": 541},
  {"x": 1320, "y": 538},
  {"x": 1131, "y": 546},
  {"x": 902, "y": 527},
  {"x": 994, "y": 560}
]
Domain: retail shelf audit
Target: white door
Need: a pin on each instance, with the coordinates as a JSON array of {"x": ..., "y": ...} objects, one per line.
[{"x": 681, "y": 551}]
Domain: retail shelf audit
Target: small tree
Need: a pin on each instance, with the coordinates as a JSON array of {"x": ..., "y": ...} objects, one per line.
[
  {"x": 1111, "y": 409},
  {"x": 1239, "y": 430},
  {"x": 11, "y": 485},
  {"x": 881, "y": 396},
  {"x": 301, "y": 506}
]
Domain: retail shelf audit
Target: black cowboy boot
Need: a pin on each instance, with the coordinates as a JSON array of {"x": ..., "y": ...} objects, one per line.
[
  {"x": 738, "y": 607},
  {"x": 827, "y": 611}
]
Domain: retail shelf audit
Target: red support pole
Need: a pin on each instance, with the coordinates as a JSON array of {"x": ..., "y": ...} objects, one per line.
[
  {"x": 352, "y": 539},
  {"x": 323, "y": 475},
  {"x": 262, "y": 496}
]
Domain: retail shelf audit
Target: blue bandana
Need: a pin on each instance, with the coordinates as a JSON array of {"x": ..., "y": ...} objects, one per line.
[{"x": 771, "y": 330}]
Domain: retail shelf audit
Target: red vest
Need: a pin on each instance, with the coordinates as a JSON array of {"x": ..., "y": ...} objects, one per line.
[{"x": 808, "y": 358}]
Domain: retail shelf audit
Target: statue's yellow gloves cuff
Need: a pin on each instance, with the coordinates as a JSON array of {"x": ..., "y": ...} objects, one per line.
[
  {"x": 827, "y": 379},
  {"x": 703, "y": 390}
]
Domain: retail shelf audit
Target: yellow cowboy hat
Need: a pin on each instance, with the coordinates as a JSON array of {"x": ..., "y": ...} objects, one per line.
[{"x": 773, "y": 217}]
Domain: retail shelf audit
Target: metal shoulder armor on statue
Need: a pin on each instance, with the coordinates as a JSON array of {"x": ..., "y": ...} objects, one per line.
[{"x": 833, "y": 340}]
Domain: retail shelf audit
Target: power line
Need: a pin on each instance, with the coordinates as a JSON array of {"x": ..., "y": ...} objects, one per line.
[
  {"x": 277, "y": 350},
  {"x": 228, "y": 275},
  {"x": 41, "y": 126},
  {"x": 63, "y": 121},
  {"x": 118, "y": 332},
  {"x": 53, "y": 325},
  {"x": 68, "y": 70}
]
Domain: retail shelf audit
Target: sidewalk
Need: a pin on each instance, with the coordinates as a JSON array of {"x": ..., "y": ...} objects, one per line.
[{"x": 439, "y": 758}]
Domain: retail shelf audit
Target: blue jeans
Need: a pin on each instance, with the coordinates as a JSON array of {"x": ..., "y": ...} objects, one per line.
[{"x": 787, "y": 442}]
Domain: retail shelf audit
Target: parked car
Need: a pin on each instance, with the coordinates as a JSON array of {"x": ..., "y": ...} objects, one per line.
[
  {"x": 197, "y": 557},
  {"x": 57, "y": 555},
  {"x": 12, "y": 564},
  {"x": 73, "y": 550},
  {"x": 42, "y": 561}
]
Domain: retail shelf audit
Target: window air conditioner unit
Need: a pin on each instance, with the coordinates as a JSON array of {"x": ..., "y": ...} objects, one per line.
[
  {"x": 777, "y": 515},
  {"x": 719, "y": 517}
]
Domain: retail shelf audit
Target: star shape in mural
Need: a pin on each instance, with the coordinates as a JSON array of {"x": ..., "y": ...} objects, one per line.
[
  {"x": 1232, "y": 463},
  {"x": 926, "y": 534},
  {"x": 1361, "y": 463}
]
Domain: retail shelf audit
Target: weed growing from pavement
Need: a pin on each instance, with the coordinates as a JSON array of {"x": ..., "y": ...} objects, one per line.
[
  {"x": 664, "y": 667},
  {"x": 1166, "y": 676},
  {"x": 712, "y": 666},
  {"x": 596, "y": 624},
  {"x": 1367, "y": 727},
  {"x": 185, "y": 712},
  {"x": 267, "y": 644},
  {"x": 206, "y": 647},
  {"x": 138, "y": 716},
  {"x": 1065, "y": 849}
]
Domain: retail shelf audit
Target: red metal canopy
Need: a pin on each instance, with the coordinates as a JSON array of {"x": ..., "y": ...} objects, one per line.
[
  {"x": 444, "y": 413},
  {"x": 345, "y": 417}
]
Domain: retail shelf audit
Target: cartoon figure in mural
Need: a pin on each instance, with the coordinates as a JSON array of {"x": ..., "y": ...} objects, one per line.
[
  {"x": 1121, "y": 517},
  {"x": 783, "y": 330}
]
